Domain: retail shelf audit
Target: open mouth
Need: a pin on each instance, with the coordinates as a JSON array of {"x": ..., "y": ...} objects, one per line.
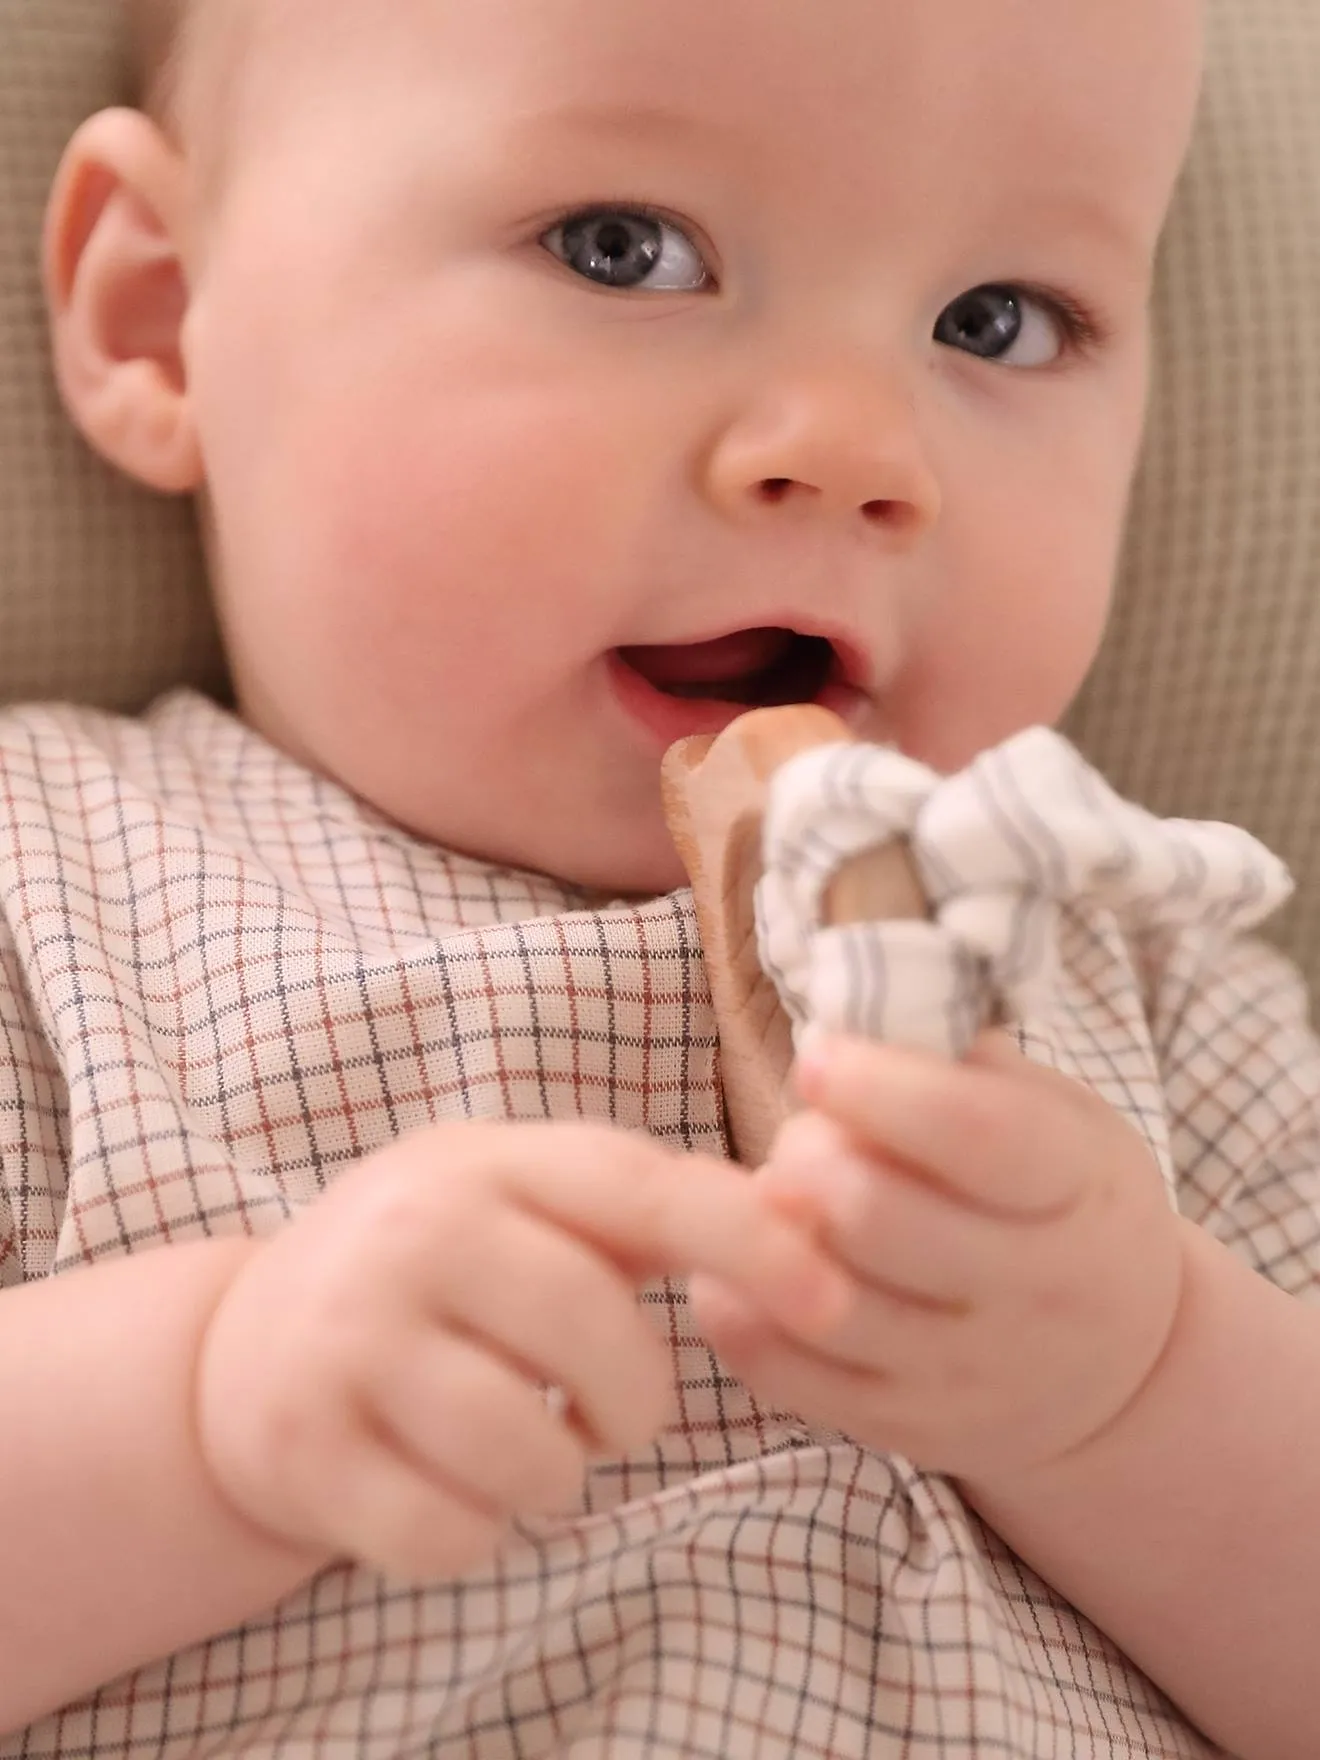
[
  {"x": 699, "y": 687},
  {"x": 754, "y": 668}
]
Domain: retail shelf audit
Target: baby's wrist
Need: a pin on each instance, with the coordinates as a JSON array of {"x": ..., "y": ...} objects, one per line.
[
  {"x": 222, "y": 1397},
  {"x": 1119, "y": 1442}
]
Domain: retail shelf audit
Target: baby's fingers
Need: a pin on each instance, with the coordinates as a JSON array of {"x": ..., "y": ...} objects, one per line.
[
  {"x": 384, "y": 1512},
  {"x": 543, "y": 1302},
  {"x": 987, "y": 1130},
  {"x": 903, "y": 1235},
  {"x": 471, "y": 1422},
  {"x": 658, "y": 1212}
]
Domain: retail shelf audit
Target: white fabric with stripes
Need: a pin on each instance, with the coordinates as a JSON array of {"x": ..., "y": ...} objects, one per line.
[{"x": 1003, "y": 849}]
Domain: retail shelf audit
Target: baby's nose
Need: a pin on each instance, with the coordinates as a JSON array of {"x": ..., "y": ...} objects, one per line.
[{"x": 822, "y": 447}]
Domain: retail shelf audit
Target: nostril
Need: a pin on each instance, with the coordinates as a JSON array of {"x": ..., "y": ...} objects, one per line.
[
  {"x": 776, "y": 489},
  {"x": 895, "y": 514}
]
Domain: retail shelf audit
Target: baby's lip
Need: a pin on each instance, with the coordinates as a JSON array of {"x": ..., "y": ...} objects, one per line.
[
  {"x": 699, "y": 663},
  {"x": 700, "y": 669},
  {"x": 702, "y": 684}
]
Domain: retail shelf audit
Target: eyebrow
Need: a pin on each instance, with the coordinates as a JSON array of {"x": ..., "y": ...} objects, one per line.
[
  {"x": 656, "y": 121},
  {"x": 1084, "y": 211},
  {"x": 1096, "y": 219}
]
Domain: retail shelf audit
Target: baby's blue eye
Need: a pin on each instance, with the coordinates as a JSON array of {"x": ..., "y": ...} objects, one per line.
[
  {"x": 628, "y": 248},
  {"x": 1003, "y": 324}
]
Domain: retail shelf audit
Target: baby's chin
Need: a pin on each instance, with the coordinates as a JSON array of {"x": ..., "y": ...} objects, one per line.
[
  {"x": 604, "y": 861},
  {"x": 611, "y": 874}
]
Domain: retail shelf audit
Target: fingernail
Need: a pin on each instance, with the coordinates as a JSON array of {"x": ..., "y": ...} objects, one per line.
[
  {"x": 815, "y": 1302},
  {"x": 812, "y": 1048},
  {"x": 805, "y": 1139},
  {"x": 846, "y": 1185}
]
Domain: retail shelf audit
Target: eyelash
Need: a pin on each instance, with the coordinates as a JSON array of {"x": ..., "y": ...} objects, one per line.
[{"x": 1084, "y": 330}]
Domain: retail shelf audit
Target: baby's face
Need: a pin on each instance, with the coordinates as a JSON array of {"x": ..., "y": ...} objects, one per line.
[{"x": 571, "y": 374}]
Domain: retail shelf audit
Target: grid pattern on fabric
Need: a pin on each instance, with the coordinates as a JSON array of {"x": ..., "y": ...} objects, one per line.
[{"x": 226, "y": 979}]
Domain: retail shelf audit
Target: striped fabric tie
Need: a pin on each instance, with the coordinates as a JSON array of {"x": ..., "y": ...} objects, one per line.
[{"x": 1004, "y": 848}]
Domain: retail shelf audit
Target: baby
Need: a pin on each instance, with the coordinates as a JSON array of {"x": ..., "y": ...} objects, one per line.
[{"x": 557, "y": 378}]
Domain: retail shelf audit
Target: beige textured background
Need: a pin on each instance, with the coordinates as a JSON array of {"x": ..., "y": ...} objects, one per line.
[
  {"x": 1207, "y": 699},
  {"x": 100, "y": 586}
]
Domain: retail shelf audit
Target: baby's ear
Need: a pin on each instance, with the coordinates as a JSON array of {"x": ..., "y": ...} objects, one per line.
[{"x": 117, "y": 295}]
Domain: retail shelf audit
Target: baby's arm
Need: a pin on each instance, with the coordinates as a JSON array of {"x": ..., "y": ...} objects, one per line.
[
  {"x": 1189, "y": 1531},
  {"x": 1135, "y": 1409},
  {"x": 1192, "y": 1531},
  {"x": 193, "y": 1432},
  {"x": 118, "y": 1545}
]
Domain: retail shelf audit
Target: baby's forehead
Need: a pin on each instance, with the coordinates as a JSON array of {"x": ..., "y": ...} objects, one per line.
[
  {"x": 1064, "y": 84},
  {"x": 161, "y": 29}
]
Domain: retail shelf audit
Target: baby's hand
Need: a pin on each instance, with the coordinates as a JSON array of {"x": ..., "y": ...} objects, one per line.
[
  {"x": 1016, "y": 1262},
  {"x": 373, "y": 1383}
]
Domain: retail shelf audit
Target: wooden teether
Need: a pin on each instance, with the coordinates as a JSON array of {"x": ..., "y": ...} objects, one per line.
[{"x": 715, "y": 792}]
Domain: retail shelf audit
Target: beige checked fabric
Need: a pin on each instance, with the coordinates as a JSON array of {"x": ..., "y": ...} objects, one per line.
[{"x": 225, "y": 979}]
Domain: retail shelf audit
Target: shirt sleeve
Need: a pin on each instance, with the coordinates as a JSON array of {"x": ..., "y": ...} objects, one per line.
[
  {"x": 1241, "y": 1072},
  {"x": 33, "y": 1131}
]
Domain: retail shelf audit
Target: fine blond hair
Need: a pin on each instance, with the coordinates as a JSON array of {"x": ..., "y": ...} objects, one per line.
[{"x": 155, "y": 31}]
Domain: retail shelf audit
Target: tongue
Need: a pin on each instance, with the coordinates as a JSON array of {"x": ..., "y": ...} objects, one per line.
[{"x": 727, "y": 660}]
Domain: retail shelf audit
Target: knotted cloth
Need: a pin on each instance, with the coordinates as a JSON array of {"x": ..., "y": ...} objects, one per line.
[{"x": 1003, "y": 849}]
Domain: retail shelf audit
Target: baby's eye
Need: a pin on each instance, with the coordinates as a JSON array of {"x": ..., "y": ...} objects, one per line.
[
  {"x": 628, "y": 248},
  {"x": 1007, "y": 325}
]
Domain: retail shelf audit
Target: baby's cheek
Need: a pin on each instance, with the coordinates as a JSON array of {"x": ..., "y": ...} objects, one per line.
[
  {"x": 990, "y": 670},
  {"x": 463, "y": 511}
]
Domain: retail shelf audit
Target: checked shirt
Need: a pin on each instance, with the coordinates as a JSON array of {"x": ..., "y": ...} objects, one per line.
[{"x": 223, "y": 980}]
